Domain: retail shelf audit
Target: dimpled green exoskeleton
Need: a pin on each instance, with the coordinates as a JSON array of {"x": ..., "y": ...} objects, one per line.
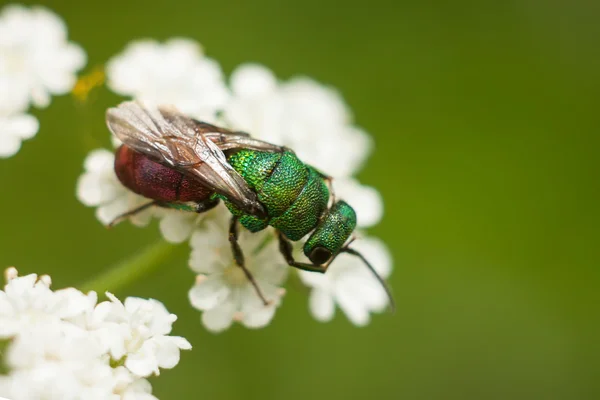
[{"x": 295, "y": 196}]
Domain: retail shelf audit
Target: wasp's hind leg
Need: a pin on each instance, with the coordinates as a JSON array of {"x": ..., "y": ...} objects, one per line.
[
  {"x": 131, "y": 213},
  {"x": 285, "y": 247},
  {"x": 197, "y": 207},
  {"x": 238, "y": 255}
]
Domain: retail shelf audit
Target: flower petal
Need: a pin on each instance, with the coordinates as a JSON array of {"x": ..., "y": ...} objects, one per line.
[
  {"x": 355, "y": 310},
  {"x": 168, "y": 350},
  {"x": 14, "y": 129},
  {"x": 9, "y": 146},
  {"x": 259, "y": 317},
  {"x": 375, "y": 250},
  {"x": 176, "y": 226},
  {"x": 321, "y": 305},
  {"x": 365, "y": 200},
  {"x": 251, "y": 80},
  {"x": 219, "y": 318},
  {"x": 209, "y": 293},
  {"x": 143, "y": 362}
]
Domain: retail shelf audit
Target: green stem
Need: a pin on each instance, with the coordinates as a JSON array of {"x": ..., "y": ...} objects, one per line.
[{"x": 130, "y": 270}]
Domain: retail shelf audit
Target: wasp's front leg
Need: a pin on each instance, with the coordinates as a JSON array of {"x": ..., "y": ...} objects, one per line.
[{"x": 286, "y": 248}]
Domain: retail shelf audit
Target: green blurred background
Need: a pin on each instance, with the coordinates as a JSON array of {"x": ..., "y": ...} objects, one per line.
[{"x": 485, "y": 116}]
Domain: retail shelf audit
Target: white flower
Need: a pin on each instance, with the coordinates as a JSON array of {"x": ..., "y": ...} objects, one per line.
[
  {"x": 13, "y": 130},
  {"x": 36, "y": 60},
  {"x": 174, "y": 73},
  {"x": 222, "y": 290},
  {"x": 28, "y": 302},
  {"x": 350, "y": 284},
  {"x": 302, "y": 114},
  {"x": 144, "y": 343},
  {"x": 63, "y": 345},
  {"x": 99, "y": 187},
  {"x": 49, "y": 363},
  {"x": 35, "y": 345},
  {"x": 59, "y": 381}
]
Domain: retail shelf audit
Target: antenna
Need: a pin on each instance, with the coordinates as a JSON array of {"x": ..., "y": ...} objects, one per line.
[{"x": 379, "y": 278}]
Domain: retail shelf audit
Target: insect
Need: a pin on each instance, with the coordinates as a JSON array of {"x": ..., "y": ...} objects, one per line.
[{"x": 178, "y": 162}]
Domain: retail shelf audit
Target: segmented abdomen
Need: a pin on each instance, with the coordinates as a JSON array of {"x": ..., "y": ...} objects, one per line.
[{"x": 155, "y": 181}]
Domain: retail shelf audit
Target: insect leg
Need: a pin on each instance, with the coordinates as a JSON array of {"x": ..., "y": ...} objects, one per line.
[
  {"x": 199, "y": 207},
  {"x": 238, "y": 255},
  {"x": 329, "y": 182},
  {"x": 131, "y": 213},
  {"x": 285, "y": 247},
  {"x": 206, "y": 205}
]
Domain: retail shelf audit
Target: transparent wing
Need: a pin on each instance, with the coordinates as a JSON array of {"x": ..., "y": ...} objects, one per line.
[
  {"x": 189, "y": 146},
  {"x": 229, "y": 140}
]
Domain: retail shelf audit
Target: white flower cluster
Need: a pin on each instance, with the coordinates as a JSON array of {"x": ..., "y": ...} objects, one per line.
[
  {"x": 36, "y": 61},
  {"x": 222, "y": 291},
  {"x": 302, "y": 114},
  {"x": 64, "y": 345},
  {"x": 176, "y": 73}
]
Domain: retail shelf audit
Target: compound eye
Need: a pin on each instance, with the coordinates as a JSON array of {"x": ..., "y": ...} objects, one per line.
[{"x": 320, "y": 255}]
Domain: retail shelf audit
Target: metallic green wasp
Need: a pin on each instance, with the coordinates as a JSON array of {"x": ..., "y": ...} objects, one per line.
[{"x": 179, "y": 162}]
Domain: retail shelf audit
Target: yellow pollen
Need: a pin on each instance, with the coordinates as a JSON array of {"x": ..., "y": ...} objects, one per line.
[
  {"x": 234, "y": 275},
  {"x": 86, "y": 83}
]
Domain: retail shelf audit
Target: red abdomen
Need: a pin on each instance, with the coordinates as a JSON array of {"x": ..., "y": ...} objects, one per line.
[{"x": 155, "y": 181}]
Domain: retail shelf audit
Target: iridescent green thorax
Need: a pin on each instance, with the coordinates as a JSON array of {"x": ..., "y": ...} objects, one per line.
[
  {"x": 303, "y": 216},
  {"x": 294, "y": 194},
  {"x": 333, "y": 231}
]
